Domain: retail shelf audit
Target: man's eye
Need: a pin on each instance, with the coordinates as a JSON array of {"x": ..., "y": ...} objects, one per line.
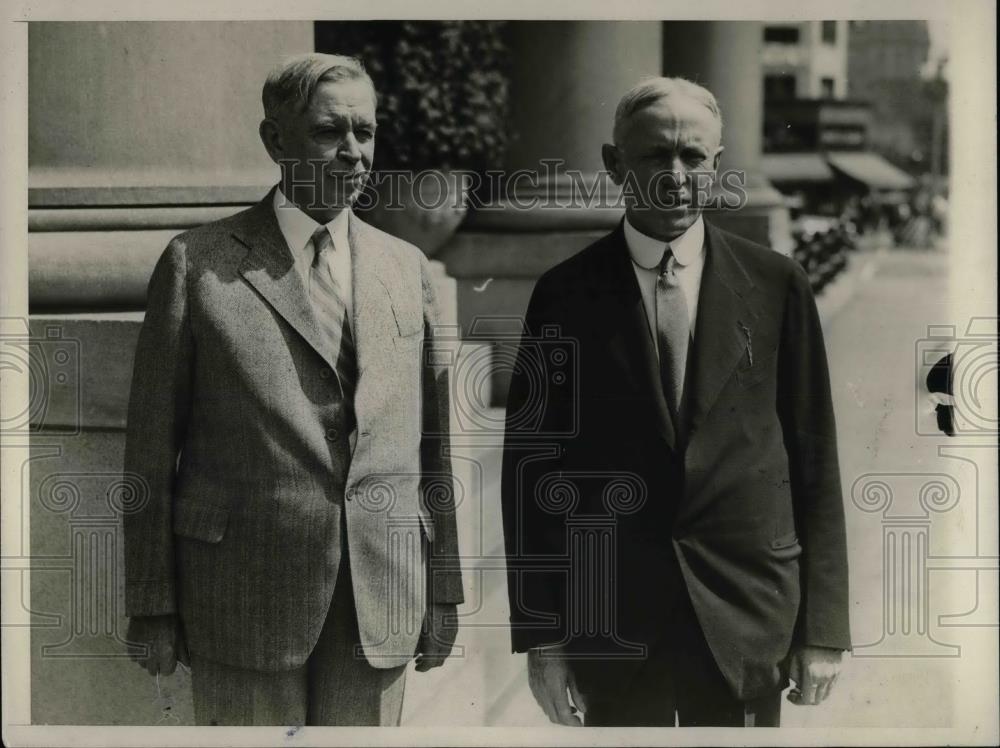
[{"x": 365, "y": 135}]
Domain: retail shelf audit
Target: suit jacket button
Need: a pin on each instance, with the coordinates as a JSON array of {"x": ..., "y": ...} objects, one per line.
[
  {"x": 332, "y": 434},
  {"x": 326, "y": 373}
]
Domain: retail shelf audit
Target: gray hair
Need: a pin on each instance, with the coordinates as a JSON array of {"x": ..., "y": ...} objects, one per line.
[
  {"x": 291, "y": 84},
  {"x": 648, "y": 91}
]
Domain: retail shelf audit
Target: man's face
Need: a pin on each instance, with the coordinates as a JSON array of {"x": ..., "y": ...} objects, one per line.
[
  {"x": 326, "y": 151},
  {"x": 666, "y": 156}
]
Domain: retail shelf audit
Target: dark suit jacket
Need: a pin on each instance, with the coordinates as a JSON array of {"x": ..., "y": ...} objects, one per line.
[
  {"x": 250, "y": 464},
  {"x": 611, "y": 510}
]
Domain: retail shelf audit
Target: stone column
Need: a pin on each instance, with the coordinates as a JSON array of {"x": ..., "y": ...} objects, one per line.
[
  {"x": 725, "y": 57},
  {"x": 136, "y": 132},
  {"x": 566, "y": 80},
  {"x": 151, "y": 103}
]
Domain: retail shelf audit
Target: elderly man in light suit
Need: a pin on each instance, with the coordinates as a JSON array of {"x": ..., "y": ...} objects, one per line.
[{"x": 289, "y": 436}]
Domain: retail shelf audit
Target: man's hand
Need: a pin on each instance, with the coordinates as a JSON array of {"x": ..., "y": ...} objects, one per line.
[
  {"x": 814, "y": 670},
  {"x": 552, "y": 682},
  {"x": 164, "y": 644},
  {"x": 438, "y": 636}
]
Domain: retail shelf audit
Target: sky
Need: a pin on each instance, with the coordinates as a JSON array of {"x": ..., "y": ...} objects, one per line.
[{"x": 938, "y": 30}]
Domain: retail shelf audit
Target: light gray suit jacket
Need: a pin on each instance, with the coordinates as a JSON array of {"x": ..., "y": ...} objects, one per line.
[{"x": 249, "y": 468}]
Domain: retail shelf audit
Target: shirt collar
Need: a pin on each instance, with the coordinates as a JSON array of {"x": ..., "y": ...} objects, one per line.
[
  {"x": 647, "y": 251},
  {"x": 298, "y": 228}
]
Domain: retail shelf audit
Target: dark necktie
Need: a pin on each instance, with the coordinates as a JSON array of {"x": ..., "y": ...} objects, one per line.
[
  {"x": 331, "y": 312},
  {"x": 673, "y": 331}
]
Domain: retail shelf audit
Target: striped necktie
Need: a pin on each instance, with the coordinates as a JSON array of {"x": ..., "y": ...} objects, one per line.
[
  {"x": 330, "y": 311},
  {"x": 673, "y": 331}
]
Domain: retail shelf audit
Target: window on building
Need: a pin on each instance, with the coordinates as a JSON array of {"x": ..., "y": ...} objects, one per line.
[
  {"x": 829, "y": 32},
  {"x": 779, "y": 87},
  {"x": 781, "y": 34},
  {"x": 826, "y": 87}
]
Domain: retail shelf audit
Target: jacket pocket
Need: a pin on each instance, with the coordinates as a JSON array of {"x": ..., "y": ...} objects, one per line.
[
  {"x": 409, "y": 326},
  {"x": 409, "y": 341},
  {"x": 787, "y": 545},
  {"x": 199, "y": 521}
]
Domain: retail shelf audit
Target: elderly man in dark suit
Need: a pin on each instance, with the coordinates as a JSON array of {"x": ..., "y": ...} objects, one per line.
[
  {"x": 672, "y": 508},
  {"x": 286, "y": 429}
]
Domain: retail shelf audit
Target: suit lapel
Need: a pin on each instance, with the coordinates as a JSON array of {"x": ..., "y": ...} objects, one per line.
[
  {"x": 630, "y": 341},
  {"x": 726, "y": 317},
  {"x": 270, "y": 268},
  {"x": 378, "y": 288},
  {"x": 376, "y": 279}
]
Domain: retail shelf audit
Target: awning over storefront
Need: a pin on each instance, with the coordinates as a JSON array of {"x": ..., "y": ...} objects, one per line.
[
  {"x": 872, "y": 170},
  {"x": 795, "y": 167}
]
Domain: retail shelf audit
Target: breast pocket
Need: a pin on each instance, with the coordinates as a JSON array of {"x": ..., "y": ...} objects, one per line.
[
  {"x": 409, "y": 328},
  {"x": 751, "y": 374},
  {"x": 408, "y": 342}
]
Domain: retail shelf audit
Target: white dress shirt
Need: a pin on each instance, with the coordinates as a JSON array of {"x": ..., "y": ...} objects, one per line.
[
  {"x": 298, "y": 228},
  {"x": 647, "y": 252}
]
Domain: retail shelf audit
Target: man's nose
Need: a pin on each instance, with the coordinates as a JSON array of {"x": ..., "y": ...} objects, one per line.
[
  {"x": 678, "y": 173},
  {"x": 350, "y": 150}
]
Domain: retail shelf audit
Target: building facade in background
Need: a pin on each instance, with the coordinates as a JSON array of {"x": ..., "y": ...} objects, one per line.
[
  {"x": 805, "y": 60},
  {"x": 887, "y": 69},
  {"x": 818, "y": 128}
]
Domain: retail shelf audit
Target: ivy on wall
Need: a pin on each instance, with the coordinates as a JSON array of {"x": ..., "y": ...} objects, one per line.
[{"x": 442, "y": 88}]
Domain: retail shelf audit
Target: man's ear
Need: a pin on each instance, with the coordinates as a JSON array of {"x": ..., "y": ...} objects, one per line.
[
  {"x": 613, "y": 162},
  {"x": 270, "y": 136},
  {"x": 717, "y": 158}
]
